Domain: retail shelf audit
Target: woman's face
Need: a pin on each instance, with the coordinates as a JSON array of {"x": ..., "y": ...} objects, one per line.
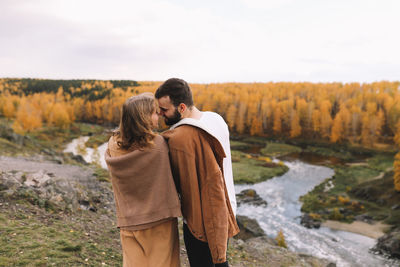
[{"x": 154, "y": 119}]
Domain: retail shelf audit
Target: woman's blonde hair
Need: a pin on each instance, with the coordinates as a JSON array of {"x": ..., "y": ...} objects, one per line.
[{"x": 135, "y": 127}]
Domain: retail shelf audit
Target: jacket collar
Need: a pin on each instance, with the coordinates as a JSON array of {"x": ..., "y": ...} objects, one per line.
[{"x": 203, "y": 126}]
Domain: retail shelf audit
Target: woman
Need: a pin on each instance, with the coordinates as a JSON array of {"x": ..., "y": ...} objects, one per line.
[{"x": 145, "y": 195}]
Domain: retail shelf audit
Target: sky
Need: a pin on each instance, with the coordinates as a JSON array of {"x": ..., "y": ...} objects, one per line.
[{"x": 201, "y": 41}]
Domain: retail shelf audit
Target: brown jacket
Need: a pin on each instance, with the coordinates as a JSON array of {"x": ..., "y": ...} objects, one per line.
[
  {"x": 196, "y": 160},
  {"x": 144, "y": 189}
]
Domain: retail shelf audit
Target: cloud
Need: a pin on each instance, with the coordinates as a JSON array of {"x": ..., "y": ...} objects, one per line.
[
  {"x": 267, "y": 4},
  {"x": 249, "y": 40}
]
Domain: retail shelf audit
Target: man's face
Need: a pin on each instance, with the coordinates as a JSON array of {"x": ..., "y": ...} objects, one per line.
[{"x": 168, "y": 111}]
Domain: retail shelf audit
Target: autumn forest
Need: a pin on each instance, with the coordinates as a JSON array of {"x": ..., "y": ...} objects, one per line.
[{"x": 360, "y": 114}]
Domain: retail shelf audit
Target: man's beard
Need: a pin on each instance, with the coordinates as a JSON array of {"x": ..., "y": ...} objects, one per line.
[{"x": 174, "y": 119}]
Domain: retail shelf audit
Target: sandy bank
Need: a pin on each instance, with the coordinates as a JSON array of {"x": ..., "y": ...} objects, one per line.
[{"x": 374, "y": 230}]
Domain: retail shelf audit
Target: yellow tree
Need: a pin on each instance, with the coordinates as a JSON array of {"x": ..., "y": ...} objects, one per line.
[
  {"x": 396, "y": 178},
  {"x": 240, "y": 124},
  {"x": 366, "y": 138},
  {"x": 9, "y": 109},
  {"x": 326, "y": 120},
  {"x": 396, "y": 164},
  {"x": 256, "y": 127},
  {"x": 231, "y": 116},
  {"x": 295, "y": 128},
  {"x": 277, "y": 127},
  {"x": 340, "y": 125},
  {"x": 355, "y": 122},
  {"x": 59, "y": 116},
  {"x": 337, "y": 129},
  {"x": 28, "y": 118},
  {"x": 316, "y": 120},
  {"x": 372, "y": 127},
  {"x": 267, "y": 106}
]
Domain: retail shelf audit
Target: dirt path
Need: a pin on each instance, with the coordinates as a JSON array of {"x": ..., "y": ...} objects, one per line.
[
  {"x": 357, "y": 164},
  {"x": 37, "y": 164},
  {"x": 382, "y": 174}
]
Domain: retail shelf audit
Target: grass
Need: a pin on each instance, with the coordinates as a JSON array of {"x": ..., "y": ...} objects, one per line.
[
  {"x": 250, "y": 170},
  {"x": 351, "y": 176},
  {"x": 97, "y": 140},
  {"x": 238, "y": 145},
  {"x": 381, "y": 162},
  {"x": 34, "y": 237},
  {"x": 255, "y": 140},
  {"x": 101, "y": 174},
  {"x": 328, "y": 152},
  {"x": 48, "y": 139},
  {"x": 57, "y": 138},
  {"x": 379, "y": 197},
  {"x": 357, "y": 191},
  {"x": 279, "y": 149},
  {"x": 8, "y": 148}
]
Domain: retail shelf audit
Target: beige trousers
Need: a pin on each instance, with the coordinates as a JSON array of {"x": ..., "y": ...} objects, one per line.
[{"x": 157, "y": 246}]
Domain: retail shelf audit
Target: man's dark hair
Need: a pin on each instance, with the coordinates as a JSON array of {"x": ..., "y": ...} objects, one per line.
[{"x": 178, "y": 91}]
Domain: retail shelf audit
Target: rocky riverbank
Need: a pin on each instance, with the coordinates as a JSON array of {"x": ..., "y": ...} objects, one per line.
[
  {"x": 57, "y": 214},
  {"x": 359, "y": 198}
]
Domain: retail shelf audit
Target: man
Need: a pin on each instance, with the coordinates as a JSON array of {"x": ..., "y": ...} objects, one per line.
[{"x": 201, "y": 165}]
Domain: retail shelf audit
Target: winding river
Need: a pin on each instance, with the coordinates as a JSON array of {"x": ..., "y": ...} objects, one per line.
[{"x": 283, "y": 213}]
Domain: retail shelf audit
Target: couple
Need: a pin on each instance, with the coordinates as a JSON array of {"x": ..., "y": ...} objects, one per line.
[{"x": 187, "y": 171}]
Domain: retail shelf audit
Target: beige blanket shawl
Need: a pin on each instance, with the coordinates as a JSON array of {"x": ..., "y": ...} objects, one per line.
[{"x": 144, "y": 189}]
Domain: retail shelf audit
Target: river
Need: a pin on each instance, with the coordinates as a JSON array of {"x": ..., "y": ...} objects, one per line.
[{"x": 283, "y": 213}]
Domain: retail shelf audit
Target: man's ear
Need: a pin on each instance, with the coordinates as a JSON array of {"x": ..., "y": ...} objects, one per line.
[{"x": 182, "y": 108}]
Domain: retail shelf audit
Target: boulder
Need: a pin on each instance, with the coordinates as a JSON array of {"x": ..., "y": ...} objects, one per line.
[
  {"x": 8, "y": 133},
  {"x": 249, "y": 228},
  {"x": 77, "y": 158},
  {"x": 36, "y": 179},
  {"x": 389, "y": 244},
  {"x": 48, "y": 190},
  {"x": 309, "y": 222},
  {"x": 395, "y": 207},
  {"x": 250, "y": 196}
]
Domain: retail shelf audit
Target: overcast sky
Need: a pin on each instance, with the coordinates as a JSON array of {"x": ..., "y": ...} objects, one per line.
[{"x": 201, "y": 41}]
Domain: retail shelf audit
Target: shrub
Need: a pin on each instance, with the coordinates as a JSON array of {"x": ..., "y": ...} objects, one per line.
[
  {"x": 280, "y": 239},
  {"x": 336, "y": 215}
]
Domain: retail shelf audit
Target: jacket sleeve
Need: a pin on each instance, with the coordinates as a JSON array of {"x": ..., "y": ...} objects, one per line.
[
  {"x": 215, "y": 216},
  {"x": 214, "y": 203},
  {"x": 202, "y": 163}
]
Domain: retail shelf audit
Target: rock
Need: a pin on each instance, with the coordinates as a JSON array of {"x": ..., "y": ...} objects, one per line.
[
  {"x": 250, "y": 196},
  {"x": 48, "y": 152},
  {"x": 395, "y": 207},
  {"x": 389, "y": 244},
  {"x": 249, "y": 228},
  {"x": 8, "y": 133},
  {"x": 37, "y": 179},
  {"x": 58, "y": 160},
  {"x": 328, "y": 186},
  {"x": 79, "y": 159},
  {"x": 309, "y": 222},
  {"x": 77, "y": 188},
  {"x": 381, "y": 201},
  {"x": 364, "y": 218},
  {"x": 85, "y": 205},
  {"x": 263, "y": 251}
]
